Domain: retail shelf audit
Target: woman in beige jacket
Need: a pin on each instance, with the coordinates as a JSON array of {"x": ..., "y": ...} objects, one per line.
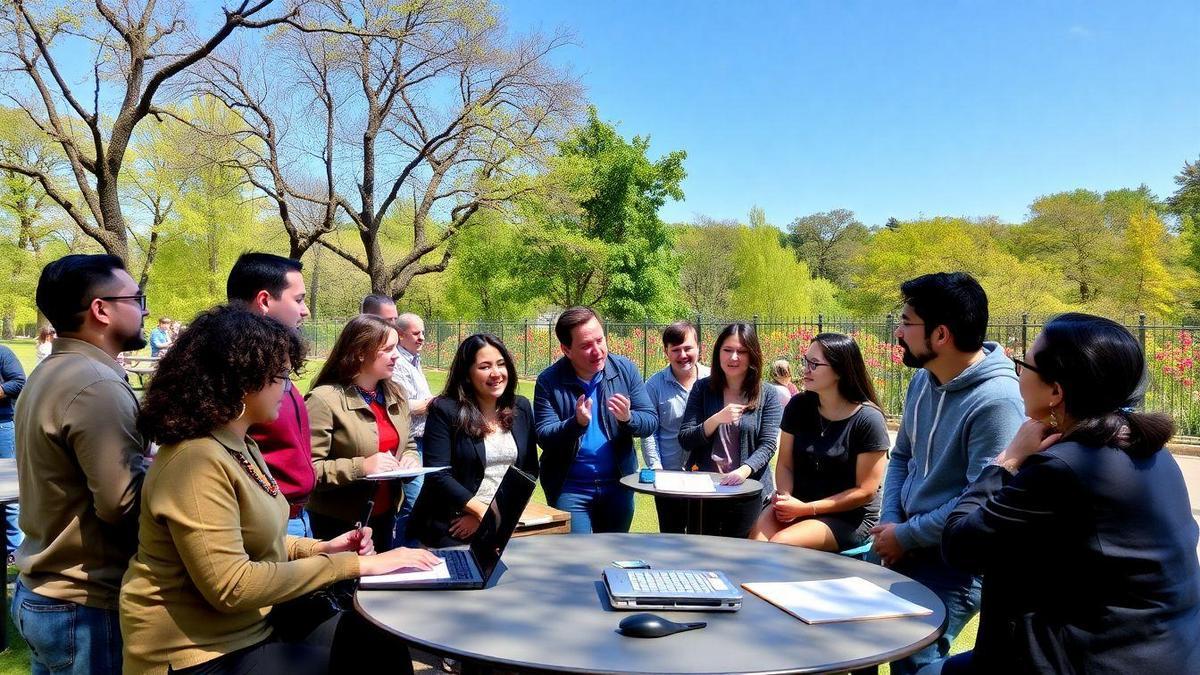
[
  {"x": 360, "y": 426},
  {"x": 213, "y": 553}
]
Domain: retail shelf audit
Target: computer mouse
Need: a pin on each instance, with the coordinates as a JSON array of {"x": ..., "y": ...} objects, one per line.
[{"x": 653, "y": 626}]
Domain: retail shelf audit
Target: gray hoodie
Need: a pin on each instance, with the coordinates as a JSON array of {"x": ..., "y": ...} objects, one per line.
[{"x": 948, "y": 434}]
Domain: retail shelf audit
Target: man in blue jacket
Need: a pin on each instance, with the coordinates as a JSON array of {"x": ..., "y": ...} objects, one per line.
[
  {"x": 963, "y": 407},
  {"x": 12, "y": 381},
  {"x": 588, "y": 407}
]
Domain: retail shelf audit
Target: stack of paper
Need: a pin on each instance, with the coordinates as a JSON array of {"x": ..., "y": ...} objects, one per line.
[
  {"x": 683, "y": 481},
  {"x": 440, "y": 571},
  {"x": 404, "y": 473},
  {"x": 827, "y": 600}
]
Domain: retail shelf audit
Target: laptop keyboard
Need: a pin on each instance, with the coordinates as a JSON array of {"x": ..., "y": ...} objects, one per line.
[
  {"x": 675, "y": 581},
  {"x": 457, "y": 562}
]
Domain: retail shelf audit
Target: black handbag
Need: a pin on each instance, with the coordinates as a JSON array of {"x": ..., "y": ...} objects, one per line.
[{"x": 297, "y": 618}]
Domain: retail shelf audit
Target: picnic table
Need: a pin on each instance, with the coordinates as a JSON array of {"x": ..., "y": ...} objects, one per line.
[{"x": 141, "y": 366}]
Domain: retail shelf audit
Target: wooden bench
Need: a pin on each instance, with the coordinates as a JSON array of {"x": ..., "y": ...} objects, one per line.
[{"x": 542, "y": 519}]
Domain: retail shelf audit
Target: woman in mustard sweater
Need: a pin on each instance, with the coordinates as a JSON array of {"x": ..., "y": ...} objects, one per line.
[{"x": 213, "y": 554}]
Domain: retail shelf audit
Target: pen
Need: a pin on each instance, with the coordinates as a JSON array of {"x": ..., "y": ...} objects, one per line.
[{"x": 366, "y": 518}]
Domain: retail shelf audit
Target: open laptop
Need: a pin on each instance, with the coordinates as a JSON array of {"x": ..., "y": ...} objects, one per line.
[
  {"x": 473, "y": 567},
  {"x": 690, "y": 590}
]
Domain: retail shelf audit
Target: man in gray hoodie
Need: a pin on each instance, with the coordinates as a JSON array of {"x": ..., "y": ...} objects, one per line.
[{"x": 963, "y": 407}]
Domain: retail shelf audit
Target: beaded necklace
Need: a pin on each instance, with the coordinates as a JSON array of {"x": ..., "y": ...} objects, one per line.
[{"x": 267, "y": 482}]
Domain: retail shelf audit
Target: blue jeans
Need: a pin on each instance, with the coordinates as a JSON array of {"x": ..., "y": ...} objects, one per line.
[
  {"x": 960, "y": 592},
  {"x": 412, "y": 488},
  {"x": 11, "y": 511},
  {"x": 65, "y": 637},
  {"x": 300, "y": 526},
  {"x": 597, "y": 508}
]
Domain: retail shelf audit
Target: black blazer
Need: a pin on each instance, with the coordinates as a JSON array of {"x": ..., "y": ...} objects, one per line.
[
  {"x": 1088, "y": 557},
  {"x": 445, "y": 493}
]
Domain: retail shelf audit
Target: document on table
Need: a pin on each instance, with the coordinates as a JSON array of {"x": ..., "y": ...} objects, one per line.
[
  {"x": 439, "y": 571},
  {"x": 828, "y": 600},
  {"x": 683, "y": 481},
  {"x": 404, "y": 473}
]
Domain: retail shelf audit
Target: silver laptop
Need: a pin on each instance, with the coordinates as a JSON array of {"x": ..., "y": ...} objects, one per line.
[{"x": 685, "y": 590}]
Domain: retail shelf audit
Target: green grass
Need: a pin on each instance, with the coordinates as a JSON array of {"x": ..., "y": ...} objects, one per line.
[{"x": 15, "y": 659}]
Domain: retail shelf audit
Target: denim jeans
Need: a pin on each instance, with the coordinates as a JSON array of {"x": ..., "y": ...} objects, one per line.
[
  {"x": 412, "y": 488},
  {"x": 597, "y": 508},
  {"x": 300, "y": 526},
  {"x": 11, "y": 511},
  {"x": 65, "y": 637},
  {"x": 960, "y": 592}
]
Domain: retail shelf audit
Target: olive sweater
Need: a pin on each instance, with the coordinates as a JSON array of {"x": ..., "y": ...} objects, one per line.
[{"x": 213, "y": 557}]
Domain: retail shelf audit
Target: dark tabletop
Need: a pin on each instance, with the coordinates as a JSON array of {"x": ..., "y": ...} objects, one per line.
[
  {"x": 546, "y": 609},
  {"x": 748, "y": 487}
]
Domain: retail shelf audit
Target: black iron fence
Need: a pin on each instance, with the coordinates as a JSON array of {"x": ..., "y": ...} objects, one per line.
[{"x": 1173, "y": 351}]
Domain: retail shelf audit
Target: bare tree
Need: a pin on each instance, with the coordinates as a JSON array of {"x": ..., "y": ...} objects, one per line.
[
  {"x": 421, "y": 112},
  {"x": 138, "y": 48}
]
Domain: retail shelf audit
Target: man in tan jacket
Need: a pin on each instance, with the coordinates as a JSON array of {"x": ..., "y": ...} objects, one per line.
[{"x": 80, "y": 463}]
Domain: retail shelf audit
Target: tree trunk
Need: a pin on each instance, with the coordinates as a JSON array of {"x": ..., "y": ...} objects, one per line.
[
  {"x": 7, "y": 330},
  {"x": 316, "y": 283}
]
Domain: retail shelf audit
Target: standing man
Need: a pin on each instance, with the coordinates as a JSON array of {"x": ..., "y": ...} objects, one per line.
[
  {"x": 961, "y": 410},
  {"x": 668, "y": 390},
  {"x": 80, "y": 464},
  {"x": 12, "y": 381},
  {"x": 160, "y": 337},
  {"x": 408, "y": 374},
  {"x": 273, "y": 286},
  {"x": 588, "y": 407}
]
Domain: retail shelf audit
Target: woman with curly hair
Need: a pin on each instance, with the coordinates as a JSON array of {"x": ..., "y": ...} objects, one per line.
[
  {"x": 360, "y": 423},
  {"x": 213, "y": 554}
]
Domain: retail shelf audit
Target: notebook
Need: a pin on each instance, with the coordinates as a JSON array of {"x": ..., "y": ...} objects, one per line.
[{"x": 828, "y": 600}]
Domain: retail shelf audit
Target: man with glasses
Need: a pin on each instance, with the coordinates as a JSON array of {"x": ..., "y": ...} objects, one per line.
[
  {"x": 80, "y": 465},
  {"x": 274, "y": 286},
  {"x": 962, "y": 408}
]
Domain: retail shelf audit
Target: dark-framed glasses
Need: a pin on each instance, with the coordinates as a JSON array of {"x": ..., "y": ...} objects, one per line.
[
  {"x": 810, "y": 365},
  {"x": 140, "y": 298},
  {"x": 1022, "y": 365}
]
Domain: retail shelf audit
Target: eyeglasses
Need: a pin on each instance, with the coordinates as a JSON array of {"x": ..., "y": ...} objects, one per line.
[
  {"x": 287, "y": 381},
  {"x": 810, "y": 365},
  {"x": 140, "y": 297},
  {"x": 1021, "y": 365},
  {"x": 910, "y": 324}
]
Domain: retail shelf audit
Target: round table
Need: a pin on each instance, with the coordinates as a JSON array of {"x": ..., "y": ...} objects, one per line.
[
  {"x": 546, "y": 609},
  {"x": 695, "y": 512}
]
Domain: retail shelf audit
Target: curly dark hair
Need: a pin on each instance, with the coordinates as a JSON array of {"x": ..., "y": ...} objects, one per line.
[{"x": 226, "y": 353}]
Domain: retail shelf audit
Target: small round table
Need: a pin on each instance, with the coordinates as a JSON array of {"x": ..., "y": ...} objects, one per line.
[
  {"x": 695, "y": 510},
  {"x": 546, "y": 610}
]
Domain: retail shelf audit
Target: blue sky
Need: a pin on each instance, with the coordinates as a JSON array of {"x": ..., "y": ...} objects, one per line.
[{"x": 891, "y": 109}]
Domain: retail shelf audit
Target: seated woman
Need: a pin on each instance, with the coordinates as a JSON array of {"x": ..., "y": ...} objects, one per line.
[
  {"x": 832, "y": 454},
  {"x": 478, "y": 427},
  {"x": 213, "y": 552},
  {"x": 1081, "y": 528},
  {"x": 731, "y": 425},
  {"x": 359, "y": 420}
]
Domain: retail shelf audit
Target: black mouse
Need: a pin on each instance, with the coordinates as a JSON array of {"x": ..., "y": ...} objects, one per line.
[{"x": 652, "y": 626}]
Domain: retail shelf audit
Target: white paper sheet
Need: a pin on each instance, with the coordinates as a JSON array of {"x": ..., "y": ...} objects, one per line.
[
  {"x": 827, "y": 600},
  {"x": 683, "y": 481},
  {"x": 440, "y": 571},
  {"x": 404, "y": 473}
]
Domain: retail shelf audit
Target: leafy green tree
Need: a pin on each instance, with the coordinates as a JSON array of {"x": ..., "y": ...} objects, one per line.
[
  {"x": 706, "y": 271},
  {"x": 1070, "y": 232},
  {"x": 827, "y": 242},
  {"x": 1185, "y": 201},
  {"x": 1147, "y": 284},
  {"x": 769, "y": 281}
]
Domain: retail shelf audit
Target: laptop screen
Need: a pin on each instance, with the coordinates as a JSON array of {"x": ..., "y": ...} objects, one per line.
[{"x": 501, "y": 519}]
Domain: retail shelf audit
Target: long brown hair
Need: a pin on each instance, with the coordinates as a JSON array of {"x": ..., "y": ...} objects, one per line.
[
  {"x": 358, "y": 342},
  {"x": 752, "y": 385},
  {"x": 460, "y": 389}
]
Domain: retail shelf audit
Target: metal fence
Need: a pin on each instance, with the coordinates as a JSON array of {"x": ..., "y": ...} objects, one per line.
[{"x": 1173, "y": 352}]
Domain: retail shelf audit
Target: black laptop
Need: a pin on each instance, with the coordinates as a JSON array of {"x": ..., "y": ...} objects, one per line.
[{"x": 471, "y": 567}]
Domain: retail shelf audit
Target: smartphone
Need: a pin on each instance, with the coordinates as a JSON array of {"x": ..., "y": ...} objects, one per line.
[{"x": 631, "y": 564}]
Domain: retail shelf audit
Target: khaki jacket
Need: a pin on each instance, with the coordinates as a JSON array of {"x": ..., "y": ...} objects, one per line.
[
  {"x": 80, "y": 465},
  {"x": 343, "y": 435}
]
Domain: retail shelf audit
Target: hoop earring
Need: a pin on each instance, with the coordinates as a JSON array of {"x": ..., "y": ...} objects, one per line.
[{"x": 242, "y": 413}]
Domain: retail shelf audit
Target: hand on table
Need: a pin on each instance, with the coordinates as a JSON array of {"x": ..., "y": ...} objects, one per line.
[
  {"x": 396, "y": 559},
  {"x": 737, "y": 476}
]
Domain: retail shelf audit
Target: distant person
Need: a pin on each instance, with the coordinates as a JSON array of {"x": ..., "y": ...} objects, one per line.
[
  {"x": 12, "y": 381},
  {"x": 360, "y": 426},
  {"x": 80, "y": 465},
  {"x": 668, "y": 390},
  {"x": 160, "y": 337},
  {"x": 214, "y": 556},
  {"x": 781, "y": 379},
  {"x": 832, "y": 453},
  {"x": 478, "y": 427},
  {"x": 961, "y": 410},
  {"x": 1081, "y": 527},
  {"x": 273, "y": 286},
  {"x": 731, "y": 427},
  {"x": 45, "y": 342},
  {"x": 589, "y": 407}
]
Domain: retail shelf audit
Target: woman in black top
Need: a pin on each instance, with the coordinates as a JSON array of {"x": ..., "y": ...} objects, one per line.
[{"x": 831, "y": 454}]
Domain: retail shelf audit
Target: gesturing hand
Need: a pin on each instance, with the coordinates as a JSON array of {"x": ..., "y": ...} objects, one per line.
[
  {"x": 618, "y": 405},
  {"x": 730, "y": 414},
  {"x": 583, "y": 410}
]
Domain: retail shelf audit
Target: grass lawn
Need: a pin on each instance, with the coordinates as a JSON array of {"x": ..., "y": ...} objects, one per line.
[{"x": 16, "y": 658}]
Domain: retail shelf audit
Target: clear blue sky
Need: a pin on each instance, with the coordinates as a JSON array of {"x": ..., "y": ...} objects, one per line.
[{"x": 891, "y": 109}]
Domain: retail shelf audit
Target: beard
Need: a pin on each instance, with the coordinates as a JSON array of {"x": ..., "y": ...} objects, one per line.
[
  {"x": 916, "y": 360},
  {"x": 134, "y": 342}
]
